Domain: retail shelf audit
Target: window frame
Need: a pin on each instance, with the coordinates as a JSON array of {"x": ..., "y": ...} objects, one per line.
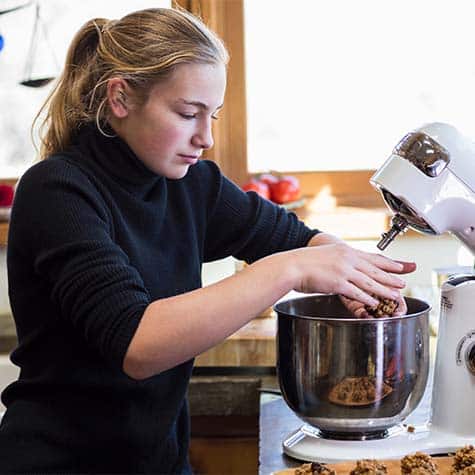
[{"x": 226, "y": 17}]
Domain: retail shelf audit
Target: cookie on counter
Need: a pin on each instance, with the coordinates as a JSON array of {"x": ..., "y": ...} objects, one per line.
[
  {"x": 314, "y": 468},
  {"x": 418, "y": 464},
  {"x": 470, "y": 470},
  {"x": 369, "y": 467},
  {"x": 464, "y": 461}
]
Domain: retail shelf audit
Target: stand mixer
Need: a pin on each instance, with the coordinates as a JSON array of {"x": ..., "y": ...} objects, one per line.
[{"x": 428, "y": 182}]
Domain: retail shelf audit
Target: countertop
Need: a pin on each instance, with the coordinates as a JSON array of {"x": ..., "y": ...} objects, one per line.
[{"x": 253, "y": 345}]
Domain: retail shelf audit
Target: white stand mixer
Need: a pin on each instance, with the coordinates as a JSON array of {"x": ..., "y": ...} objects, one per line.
[{"x": 429, "y": 184}]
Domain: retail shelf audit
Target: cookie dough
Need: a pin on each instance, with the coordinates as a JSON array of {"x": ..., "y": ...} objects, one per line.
[{"x": 385, "y": 308}]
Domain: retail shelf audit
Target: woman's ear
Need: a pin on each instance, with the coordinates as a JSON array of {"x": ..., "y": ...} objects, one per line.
[{"x": 117, "y": 97}]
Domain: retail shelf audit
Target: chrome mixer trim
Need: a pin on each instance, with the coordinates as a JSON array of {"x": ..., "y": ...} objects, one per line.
[
  {"x": 424, "y": 152},
  {"x": 399, "y": 225},
  {"x": 402, "y": 209},
  {"x": 470, "y": 358}
]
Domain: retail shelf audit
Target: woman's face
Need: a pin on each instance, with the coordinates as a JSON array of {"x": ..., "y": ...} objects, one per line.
[{"x": 170, "y": 131}]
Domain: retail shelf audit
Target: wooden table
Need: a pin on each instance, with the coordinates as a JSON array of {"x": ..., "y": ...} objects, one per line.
[{"x": 253, "y": 345}]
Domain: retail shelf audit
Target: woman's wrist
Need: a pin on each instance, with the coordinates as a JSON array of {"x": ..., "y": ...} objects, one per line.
[
  {"x": 321, "y": 239},
  {"x": 282, "y": 270}
]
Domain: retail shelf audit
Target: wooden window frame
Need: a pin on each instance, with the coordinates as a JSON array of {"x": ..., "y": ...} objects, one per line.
[{"x": 226, "y": 18}]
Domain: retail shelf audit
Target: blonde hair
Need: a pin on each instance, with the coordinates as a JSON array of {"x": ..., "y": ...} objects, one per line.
[{"x": 143, "y": 48}]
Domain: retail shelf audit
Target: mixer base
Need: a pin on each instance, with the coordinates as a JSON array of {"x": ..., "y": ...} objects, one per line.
[
  {"x": 306, "y": 444},
  {"x": 323, "y": 434}
]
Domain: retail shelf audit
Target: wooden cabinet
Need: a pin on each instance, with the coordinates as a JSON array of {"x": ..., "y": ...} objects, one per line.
[{"x": 3, "y": 234}]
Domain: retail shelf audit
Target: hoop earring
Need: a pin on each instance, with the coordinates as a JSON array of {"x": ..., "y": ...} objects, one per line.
[{"x": 98, "y": 124}]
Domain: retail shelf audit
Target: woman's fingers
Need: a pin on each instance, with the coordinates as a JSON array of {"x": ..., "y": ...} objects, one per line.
[
  {"x": 380, "y": 276},
  {"x": 356, "y": 308},
  {"x": 401, "y": 307},
  {"x": 373, "y": 287},
  {"x": 354, "y": 292},
  {"x": 389, "y": 265},
  {"x": 408, "y": 267}
]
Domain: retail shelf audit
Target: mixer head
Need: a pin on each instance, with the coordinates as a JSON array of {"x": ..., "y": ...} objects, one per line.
[{"x": 428, "y": 183}]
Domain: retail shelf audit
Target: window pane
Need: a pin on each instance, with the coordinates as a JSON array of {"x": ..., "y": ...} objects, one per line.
[
  {"x": 61, "y": 18},
  {"x": 334, "y": 84}
]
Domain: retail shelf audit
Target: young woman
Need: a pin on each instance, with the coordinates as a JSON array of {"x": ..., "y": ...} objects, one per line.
[{"x": 107, "y": 238}]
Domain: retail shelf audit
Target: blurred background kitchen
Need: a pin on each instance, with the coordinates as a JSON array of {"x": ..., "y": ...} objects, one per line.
[{"x": 321, "y": 90}]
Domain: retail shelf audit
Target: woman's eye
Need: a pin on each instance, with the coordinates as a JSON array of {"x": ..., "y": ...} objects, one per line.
[{"x": 188, "y": 116}]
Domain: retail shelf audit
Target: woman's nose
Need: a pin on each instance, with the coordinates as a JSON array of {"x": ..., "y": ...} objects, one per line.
[{"x": 203, "y": 138}]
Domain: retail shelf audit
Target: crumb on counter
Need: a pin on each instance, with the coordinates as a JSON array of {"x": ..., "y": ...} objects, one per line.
[{"x": 369, "y": 467}]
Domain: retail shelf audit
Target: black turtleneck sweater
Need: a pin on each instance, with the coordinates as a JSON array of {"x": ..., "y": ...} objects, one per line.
[{"x": 95, "y": 237}]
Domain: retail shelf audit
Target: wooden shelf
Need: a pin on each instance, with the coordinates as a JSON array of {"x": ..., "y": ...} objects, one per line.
[{"x": 3, "y": 234}]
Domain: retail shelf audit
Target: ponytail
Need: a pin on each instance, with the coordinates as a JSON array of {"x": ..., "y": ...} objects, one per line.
[{"x": 69, "y": 104}]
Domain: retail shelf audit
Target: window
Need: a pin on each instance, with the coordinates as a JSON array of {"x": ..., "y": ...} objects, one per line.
[
  {"x": 19, "y": 104},
  {"x": 334, "y": 84}
]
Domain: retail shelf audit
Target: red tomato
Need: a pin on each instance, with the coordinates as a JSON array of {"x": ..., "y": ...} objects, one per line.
[
  {"x": 6, "y": 195},
  {"x": 259, "y": 187},
  {"x": 287, "y": 189},
  {"x": 291, "y": 178},
  {"x": 268, "y": 178}
]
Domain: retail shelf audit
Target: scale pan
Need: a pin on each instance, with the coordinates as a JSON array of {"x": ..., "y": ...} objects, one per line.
[{"x": 36, "y": 82}]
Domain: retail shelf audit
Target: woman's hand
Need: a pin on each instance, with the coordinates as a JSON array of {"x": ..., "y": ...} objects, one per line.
[
  {"x": 328, "y": 265},
  {"x": 358, "y": 309}
]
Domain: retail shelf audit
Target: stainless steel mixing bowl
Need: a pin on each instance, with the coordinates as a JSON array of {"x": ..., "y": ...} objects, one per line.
[{"x": 351, "y": 378}]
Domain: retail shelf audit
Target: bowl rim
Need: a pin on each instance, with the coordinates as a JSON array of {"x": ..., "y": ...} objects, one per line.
[{"x": 345, "y": 320}]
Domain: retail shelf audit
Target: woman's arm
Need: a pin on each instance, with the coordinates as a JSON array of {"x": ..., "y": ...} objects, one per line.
[{"x": 175, "y": 329}]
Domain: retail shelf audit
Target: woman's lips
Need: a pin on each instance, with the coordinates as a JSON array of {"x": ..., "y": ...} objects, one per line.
[{"x": 190, "y": 159}]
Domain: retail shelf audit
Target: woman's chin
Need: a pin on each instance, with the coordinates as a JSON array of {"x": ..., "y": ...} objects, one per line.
[{"x": 177, "y": 173}]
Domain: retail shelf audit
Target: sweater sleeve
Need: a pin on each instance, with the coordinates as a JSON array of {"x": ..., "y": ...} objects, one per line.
[
  {"x": 61, "y": 224},
  {"x": 248, "y": 226}
]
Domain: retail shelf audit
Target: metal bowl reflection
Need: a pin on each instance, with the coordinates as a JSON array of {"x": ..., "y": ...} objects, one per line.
[{"x": 351, "y": 378}]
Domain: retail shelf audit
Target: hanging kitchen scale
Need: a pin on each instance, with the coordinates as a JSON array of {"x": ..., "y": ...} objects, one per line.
[
  {"x": 39, "y": 32},
  {"x": 8, "y": 10}
]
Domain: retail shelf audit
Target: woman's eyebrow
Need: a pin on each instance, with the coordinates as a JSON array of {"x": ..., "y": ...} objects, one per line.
[{"x": 199, "y": 104}]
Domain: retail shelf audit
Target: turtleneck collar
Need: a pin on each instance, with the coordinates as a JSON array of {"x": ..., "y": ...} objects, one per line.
[{"x": 117, "y": 159}]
